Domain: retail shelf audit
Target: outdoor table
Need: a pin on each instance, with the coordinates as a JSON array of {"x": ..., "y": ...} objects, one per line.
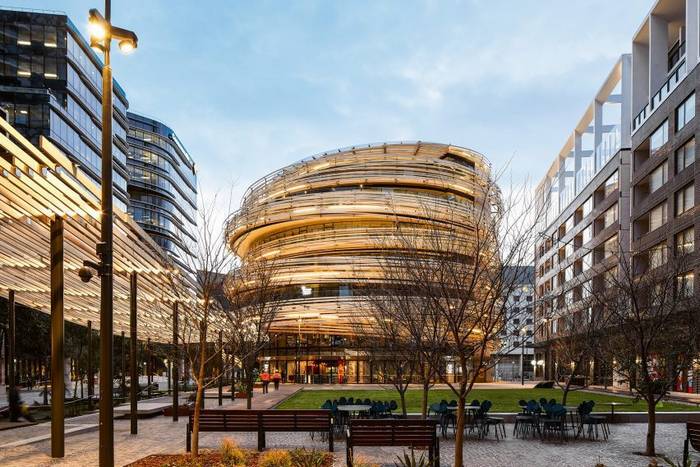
[
  {"x": 572, "y": 411},
  {"x": 353, "y": 409},
  {"x": 612, "y": 407}
]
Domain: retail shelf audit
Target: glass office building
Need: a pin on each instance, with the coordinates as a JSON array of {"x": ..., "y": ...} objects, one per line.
[
  {"x": 162, "y": 186},
  {"x": 50, "y": 85}
]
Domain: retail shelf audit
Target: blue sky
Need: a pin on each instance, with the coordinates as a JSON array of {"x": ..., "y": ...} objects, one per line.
[{"x": 251, "y": 86}]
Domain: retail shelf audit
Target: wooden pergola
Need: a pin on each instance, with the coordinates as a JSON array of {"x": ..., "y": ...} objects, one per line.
[{"x": 49, "y": 225}]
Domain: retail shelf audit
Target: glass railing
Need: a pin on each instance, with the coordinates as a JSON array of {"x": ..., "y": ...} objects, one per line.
[{"x": 676, "y": 76}]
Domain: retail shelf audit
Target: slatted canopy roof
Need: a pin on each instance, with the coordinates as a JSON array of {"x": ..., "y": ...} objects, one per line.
[{"x": 41, "y": 184}]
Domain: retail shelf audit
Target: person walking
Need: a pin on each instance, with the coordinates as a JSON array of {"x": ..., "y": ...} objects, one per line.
[
  {"x": 17, "y": 408},
  {"x": 276, "y": 378},
  {"x": 265, "y": 378}
]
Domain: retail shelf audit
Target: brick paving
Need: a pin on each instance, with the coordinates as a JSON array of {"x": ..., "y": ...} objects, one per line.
[{"x": 161, "y": 435}]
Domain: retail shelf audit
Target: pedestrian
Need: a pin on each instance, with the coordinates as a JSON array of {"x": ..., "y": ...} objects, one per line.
[
  {"x": 265, "y": 378},
  {"x": 276, "y": 378},
  {"x": 17, "y": 408}
]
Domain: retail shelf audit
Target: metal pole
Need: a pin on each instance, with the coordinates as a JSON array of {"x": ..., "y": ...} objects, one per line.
[
  {"x": 133, "y": 345},
  {"x": 221, "y": 367},
  {"x": 58, "y": 389},
  {"x": 106, "y": 444},
  {"x": 176, "y": 365},
  {"x": 90, "y": 375},
  {"x": 123, "y": 369},
  {"x": 149, "y": 368},
  {"x": 522, "y": 360},
  {"x": 12, "y": 376}
]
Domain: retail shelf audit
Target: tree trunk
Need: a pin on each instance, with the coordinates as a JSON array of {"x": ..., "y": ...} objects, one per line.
[
  {"x": 459, "y": 431},
  {"x": 424, "y": 402},
  {"x": 200, "y": 394},
  {"x": 651, "y": 427},
  {"x": 402, "y": 395},
  {"x": 249, "y": 389},
  {"x": 566, "y": 391}
]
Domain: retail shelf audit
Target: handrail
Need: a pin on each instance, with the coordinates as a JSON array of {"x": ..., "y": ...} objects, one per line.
[{"x": 676, "y": 76}]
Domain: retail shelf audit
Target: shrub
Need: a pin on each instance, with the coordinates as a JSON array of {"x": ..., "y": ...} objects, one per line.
[
  {"x": 275, "y": 458},
  {"x": 362, "y": 461},
  {"x": 305, "y": 458},
  {"x": 411, "y": 461},
  {"x": 231, "y": 454}
]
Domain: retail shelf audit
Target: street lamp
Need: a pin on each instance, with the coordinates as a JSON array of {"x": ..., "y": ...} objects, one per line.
[
  {"x": 523, "y": 339},
  {"x": 102, "y": 32}
]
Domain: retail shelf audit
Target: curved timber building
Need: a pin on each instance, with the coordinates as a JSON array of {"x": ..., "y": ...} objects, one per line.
[{"x": 323, "y": 220}]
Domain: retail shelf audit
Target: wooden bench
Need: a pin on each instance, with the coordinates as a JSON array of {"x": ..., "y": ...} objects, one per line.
[
  {"x": 394, "y": 432},
  {"x": 263, "y": 421},
  {"x": 692, "y": 439}
]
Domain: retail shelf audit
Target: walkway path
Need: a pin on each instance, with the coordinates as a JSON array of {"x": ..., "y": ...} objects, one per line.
[{"x": 156, "y": 435}]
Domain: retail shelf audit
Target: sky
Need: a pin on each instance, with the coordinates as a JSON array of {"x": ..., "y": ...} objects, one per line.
[{"x": 252, "y": 86}]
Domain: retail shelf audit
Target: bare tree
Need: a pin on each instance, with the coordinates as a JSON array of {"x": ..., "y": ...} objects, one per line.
[
  {"x": 254, "y": 294},
  {"x": 459, "y": 269},
  {"x": 654, "y": 329},
  {"x": 581, "y": 331},
  {"x": 401, "y": 323},
  {"x": 208, "y": 262}
]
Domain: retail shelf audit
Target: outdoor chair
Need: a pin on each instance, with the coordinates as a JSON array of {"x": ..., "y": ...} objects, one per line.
[
  {"x": 342, "y": 401},
  {"x": 586, "y": 418},
  {"x": 368, "y": 402},
  {"x": 554, "y": 423},
  {"x": 351, "y": 400},
  {"x": 543, "y": 401},
  {"x": 527, "y": 421},
  {"x": 487, "y": 422},
  {"x": 475, "y": 403}
]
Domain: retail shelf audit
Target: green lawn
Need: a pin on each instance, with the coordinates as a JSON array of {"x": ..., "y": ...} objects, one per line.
[{"x": 504, "y": 400}]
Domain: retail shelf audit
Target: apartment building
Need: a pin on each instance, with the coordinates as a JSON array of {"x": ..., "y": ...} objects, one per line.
[
  {"x": 665, "y": 55},
  {"x": 583, "y": 203},
  {"x": 515, "y": 352}
]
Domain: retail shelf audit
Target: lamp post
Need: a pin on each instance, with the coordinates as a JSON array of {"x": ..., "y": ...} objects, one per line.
[
  {"x": 102, "y": 32},
  {"x": 523, "y": 334}
]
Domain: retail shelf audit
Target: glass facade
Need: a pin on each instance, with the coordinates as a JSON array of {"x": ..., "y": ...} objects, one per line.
[
  {"x": 51, "y": 86},
  {"x": 162, "y": 186}
]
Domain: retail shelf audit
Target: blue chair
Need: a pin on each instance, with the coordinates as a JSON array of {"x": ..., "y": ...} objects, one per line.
[
  {"x": 342, "y": 401},
  {"x": 554, "y": 423},
  {"x": 487, "y": 421},
  {"x": 351, "y": 400}
]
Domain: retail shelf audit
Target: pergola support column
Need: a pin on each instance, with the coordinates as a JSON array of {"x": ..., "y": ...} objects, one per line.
[
  {"x": 57, "y": 339},
  {"x": 221, "y": 367},
  {"x": 149, "y": 367},
  {"x": 123, "y": 369},
  {"x": 90, "y": 366},
  {"x": 176, "y": 365},
  {"x": 12, "y": 373},
  {"x": 133, "y": 344}
]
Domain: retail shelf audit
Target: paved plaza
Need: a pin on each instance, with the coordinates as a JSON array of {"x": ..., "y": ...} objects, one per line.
[{"x": 161, "y": 435}]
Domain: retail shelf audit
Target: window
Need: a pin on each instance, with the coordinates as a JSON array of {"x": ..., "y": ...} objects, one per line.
[
  {"x": 685, "y": 155},
  {"x": 610, "y": 184},
  {"x": 685, "y": 284},
  {"x": 658, "y": 177},
  {"x": 657, "y": 217},
  {"x": 610, "y": 216},
  {"x": 657, "y": 255},
  {"x": 587, "y": 206},
  {"x": 587, "y": 262},
  {"x": 610, "y": 247},
  {"x": 659, "y": 137},
  {"x": 685, "y": 112},
  {"x": 587, "y": 234},
  {"x": 685, "y": 241},
  {"x": 685, "y": 199}
]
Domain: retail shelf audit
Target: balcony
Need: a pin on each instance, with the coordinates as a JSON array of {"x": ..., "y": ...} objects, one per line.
[{"x": 675, "y": 77}]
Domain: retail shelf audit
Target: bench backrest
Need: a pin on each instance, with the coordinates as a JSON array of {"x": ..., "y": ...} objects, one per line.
[
  {"x": 268, "y": 420},
  {"x": 694, "y": 434},
  {"x": 392, "y": 432}
]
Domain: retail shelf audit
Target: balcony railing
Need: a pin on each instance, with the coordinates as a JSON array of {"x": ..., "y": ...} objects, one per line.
[{"x": 676, "y": 76}]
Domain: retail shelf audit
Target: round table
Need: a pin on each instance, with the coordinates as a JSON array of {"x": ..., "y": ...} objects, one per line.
[{"x": 354, "y": 409}]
